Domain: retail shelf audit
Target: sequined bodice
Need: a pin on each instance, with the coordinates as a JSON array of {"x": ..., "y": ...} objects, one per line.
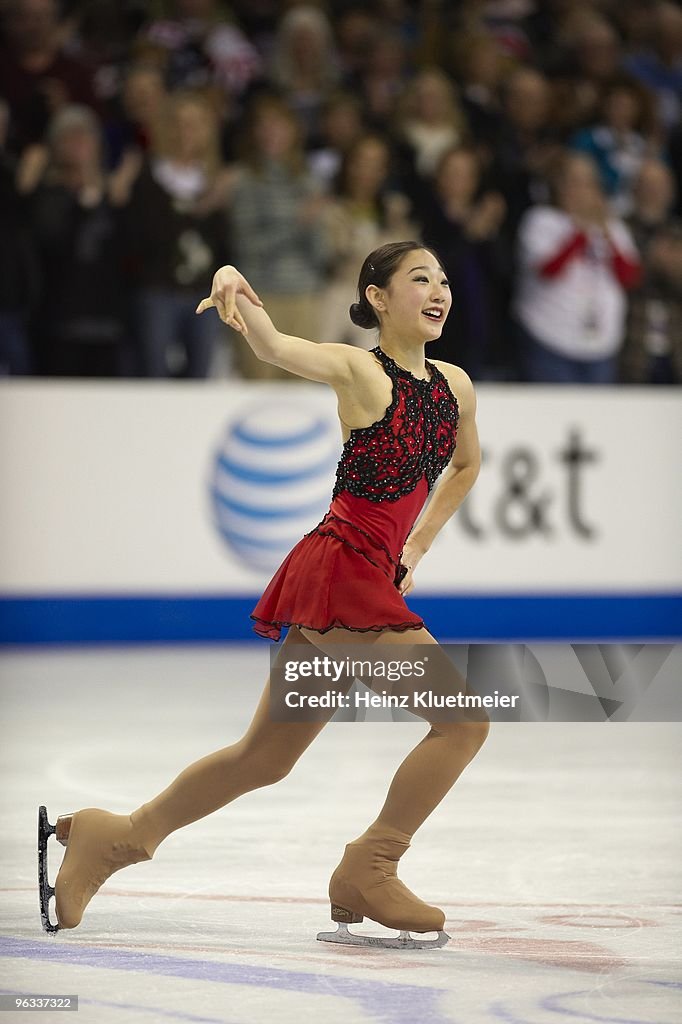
[{"x": 415, "y": 438}]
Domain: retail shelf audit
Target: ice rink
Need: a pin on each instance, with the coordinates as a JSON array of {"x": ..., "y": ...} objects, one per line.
[{"x": 556, "y": 859}]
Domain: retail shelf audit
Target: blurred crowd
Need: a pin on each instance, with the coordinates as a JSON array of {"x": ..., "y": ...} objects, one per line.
[{"x": 537, "y": 146}]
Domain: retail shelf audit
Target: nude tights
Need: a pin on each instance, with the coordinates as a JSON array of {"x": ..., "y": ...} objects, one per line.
[{"x": 268, "y": 751}]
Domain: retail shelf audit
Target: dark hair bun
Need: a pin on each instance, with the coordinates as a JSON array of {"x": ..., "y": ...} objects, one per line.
[{"x": 362, "y": 315}]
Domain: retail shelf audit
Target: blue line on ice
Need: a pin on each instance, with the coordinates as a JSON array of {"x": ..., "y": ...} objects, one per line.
[
  {"x": 500, "y": 1012},
  {"x": 551, "y": 1003},
  {"x": 387, "y": 1002}
]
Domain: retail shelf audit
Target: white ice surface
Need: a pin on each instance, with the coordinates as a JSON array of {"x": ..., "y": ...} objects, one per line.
[{"x": 556, "y": 859}]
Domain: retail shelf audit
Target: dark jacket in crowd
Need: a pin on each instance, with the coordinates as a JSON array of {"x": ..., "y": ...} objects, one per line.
[
  {"x": 83, "y": 306},
  {"x": 472, "y": 333},
  {"x": 168, "y": 246}
]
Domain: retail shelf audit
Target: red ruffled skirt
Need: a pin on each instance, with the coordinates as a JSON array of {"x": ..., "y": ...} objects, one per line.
[{"x": 343, "y": 574}]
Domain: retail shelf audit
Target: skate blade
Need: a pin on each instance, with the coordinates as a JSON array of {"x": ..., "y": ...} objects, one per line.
[
  {"x": 402, "y": 941},
  {"x": 45, "y": 890}
]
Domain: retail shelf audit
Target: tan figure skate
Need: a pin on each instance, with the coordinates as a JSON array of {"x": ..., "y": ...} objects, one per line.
[
  {"x": 365, "y": 884},
  {"x": 97, "y": 843}
]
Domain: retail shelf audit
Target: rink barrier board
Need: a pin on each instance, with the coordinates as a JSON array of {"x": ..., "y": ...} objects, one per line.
[
  {"x": 195, "y": 489},
  {"x": 160, "y": 619}
]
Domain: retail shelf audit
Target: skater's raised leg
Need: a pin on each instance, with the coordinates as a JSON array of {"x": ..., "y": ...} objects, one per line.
[{"x": 99, "y": 843}]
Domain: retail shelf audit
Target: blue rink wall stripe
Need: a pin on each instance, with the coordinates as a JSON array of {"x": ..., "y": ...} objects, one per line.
[{"x": 182, "y": 618}]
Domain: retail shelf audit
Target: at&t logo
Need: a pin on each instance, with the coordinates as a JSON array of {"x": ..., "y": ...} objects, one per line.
[{"x": 272, "y": 480}]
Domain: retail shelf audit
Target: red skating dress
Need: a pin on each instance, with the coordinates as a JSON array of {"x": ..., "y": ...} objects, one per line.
[{"x": 345, "y": 572}]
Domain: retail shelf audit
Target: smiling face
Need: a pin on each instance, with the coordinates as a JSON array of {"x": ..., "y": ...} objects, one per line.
[{"x": 416, "y": 301}]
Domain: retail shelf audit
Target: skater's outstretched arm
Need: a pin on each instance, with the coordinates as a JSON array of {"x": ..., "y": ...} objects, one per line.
[
  {"x": 239, "y": 307},
  {"x": 457, "y": 480}
]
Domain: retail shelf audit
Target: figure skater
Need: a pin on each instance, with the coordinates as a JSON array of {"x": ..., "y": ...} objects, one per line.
[{"x": 344, "y": 582}]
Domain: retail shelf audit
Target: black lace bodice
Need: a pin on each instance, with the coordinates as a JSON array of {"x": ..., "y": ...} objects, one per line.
[{"x": 415, "y": 437}]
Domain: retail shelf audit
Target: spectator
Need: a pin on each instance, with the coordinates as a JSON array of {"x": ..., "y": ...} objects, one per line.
[
  {"x": 101, "y": 35},
  {"x": 598, "y": 50},
  {"x": 482, "y": 67},
  {"x": 36, "y": 77},
  {"x": 304, "y": 65},
  {"x": 143, "y": 102},
  {"x": 429, "y": 122},
  {"x": 593, "y": 58},
  {"x": 175, "y": 239},
  {"x": 399, "y": 17},
  {"x": 430, "y": 119},
  {"x": 277, "y": 229},
  {"x": 355, "y": 29},
  {"x": 382, "y": 81},
  {"x": 526, "y": 147},
  {"x": 17, "y": 267},
  {"x": 198, "y": 49},
  {"x": 633, "y": 19},
  {"x": 514, "y": 82},
  {"x": 508, "y": 23},
  {"x": 576, "y": 263},
  {"x": 463, "y": 226},
  {"x": 81, "y": 328},
  {"x": 617, "y": 143},
  {"x": 341, "y": 126},
  {"x": 364, "y": 216},
  {"x": 659, "y": 66},
  {"x": 653, "y": 345}
]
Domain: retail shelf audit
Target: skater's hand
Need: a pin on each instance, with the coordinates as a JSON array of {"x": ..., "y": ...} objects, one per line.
[
  {"x": 228, "y": 283},
  {"x": 409, "y": 559},
  {"x": 406, "y": 583}
]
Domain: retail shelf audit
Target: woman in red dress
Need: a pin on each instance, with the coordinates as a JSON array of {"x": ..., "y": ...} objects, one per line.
[{"x": 405, "y": 420}]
